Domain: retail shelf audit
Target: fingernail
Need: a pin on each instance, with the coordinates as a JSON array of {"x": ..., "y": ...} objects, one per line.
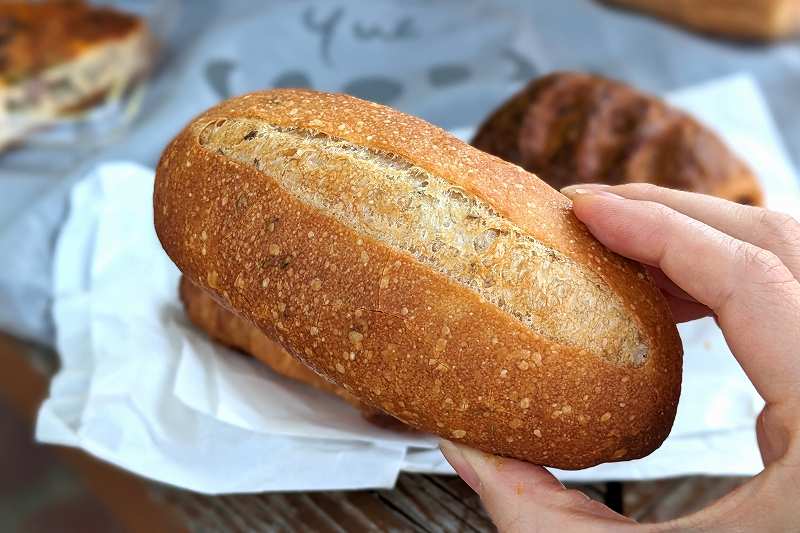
[
  {"x": 573, "y": 191},
  {"x": 459, "y": 458}
]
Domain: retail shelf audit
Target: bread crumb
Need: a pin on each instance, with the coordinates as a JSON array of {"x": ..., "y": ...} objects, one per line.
[
  {"x": 314, "y": 330},
  {"x": 404, "y": 311},
  {"x": 458, "y": 433},
  {"x": 316, "y": 284},
  {"x": 340, "y": 368},
  {"x": 523, "y": 365},
  {"x": 355, "y": 337},
  {"x": 503, "y": 373},
  {"x": 525, "y": 403},
  {"x": 274, "y": 249},
  {"x": 606, "y": 417},
  {"x": 537, "y": 433},
  {"x": 384, "y": 282},
  {"x": 364, "y": 257}
]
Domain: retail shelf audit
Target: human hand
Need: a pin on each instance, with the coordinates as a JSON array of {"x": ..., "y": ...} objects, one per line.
[{"x": 709, "y": 256}]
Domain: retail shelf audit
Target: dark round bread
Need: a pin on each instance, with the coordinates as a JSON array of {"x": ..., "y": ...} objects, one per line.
[{"x": 571, "y": 128}]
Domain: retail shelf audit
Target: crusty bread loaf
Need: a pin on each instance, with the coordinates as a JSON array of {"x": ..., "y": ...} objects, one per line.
[
  {"x": 570, "y": 128},
  {"x": 740, "y": 19},
  {"x": 449, "y": 288},
  {"x": 233, "y": 331}
]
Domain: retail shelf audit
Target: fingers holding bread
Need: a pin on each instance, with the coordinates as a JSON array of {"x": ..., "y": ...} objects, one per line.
[
  {"x": 770, "y": 230},
  {"x": 752, "y": 291}
]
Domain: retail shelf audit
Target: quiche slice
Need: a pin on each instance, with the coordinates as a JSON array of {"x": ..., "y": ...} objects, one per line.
[{"x": 57, "y": 58}]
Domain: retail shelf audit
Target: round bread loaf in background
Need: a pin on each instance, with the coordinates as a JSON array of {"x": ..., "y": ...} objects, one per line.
[
  {"x": 572, "y": 128},
  {"x": 451, "y": 289}
]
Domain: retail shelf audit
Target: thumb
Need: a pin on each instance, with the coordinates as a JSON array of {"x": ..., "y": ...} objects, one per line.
[{"x": 521, "y": 496}]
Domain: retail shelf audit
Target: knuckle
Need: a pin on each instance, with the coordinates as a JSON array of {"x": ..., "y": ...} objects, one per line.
[
  {"x": 762, "y": 266},
  {"x": 662, "y": 222},
  {"x": 781, "y": 228},
  {"x": 664, "y": 212}
]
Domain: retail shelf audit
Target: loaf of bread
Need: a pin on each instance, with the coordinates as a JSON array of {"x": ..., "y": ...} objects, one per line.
[
  {"x": 231, "y": 330},
  {"x": 739, "y": 19},
  {"x": 449, "y": 288},
  {"x": 570, "y": 128},
  {"x": 57, "y": 58}
]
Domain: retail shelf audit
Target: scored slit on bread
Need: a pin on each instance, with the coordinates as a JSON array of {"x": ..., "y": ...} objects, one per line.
[{"x": 442, "y": 226}]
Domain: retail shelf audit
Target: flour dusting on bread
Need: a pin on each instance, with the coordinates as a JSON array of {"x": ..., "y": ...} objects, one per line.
[{"x": 442, "y": 226}]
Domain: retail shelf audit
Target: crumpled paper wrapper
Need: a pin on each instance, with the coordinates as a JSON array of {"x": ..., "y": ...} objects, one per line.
[{"x": 142, "y": 389}]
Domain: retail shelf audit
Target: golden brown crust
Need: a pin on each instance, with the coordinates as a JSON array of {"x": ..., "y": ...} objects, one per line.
[
  {"x": 426, "y": 349},
  {"x": 35, "y": 36},
  {"x": 739, "y": 19},
  {"x": 573, "y": 128},
  {"x": 229, "y": 329}
]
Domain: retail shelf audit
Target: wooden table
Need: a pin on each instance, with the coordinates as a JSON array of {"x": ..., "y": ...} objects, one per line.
[{"x": 419, "y": 503}]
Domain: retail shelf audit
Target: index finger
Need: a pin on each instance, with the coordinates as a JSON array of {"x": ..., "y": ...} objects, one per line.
[
  {"x": 755, "y": 296},
  {"x": 771, "y": 230}
]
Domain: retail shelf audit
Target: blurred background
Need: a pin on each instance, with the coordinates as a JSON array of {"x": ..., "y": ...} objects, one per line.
[{"x": 86, "y": 83}]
